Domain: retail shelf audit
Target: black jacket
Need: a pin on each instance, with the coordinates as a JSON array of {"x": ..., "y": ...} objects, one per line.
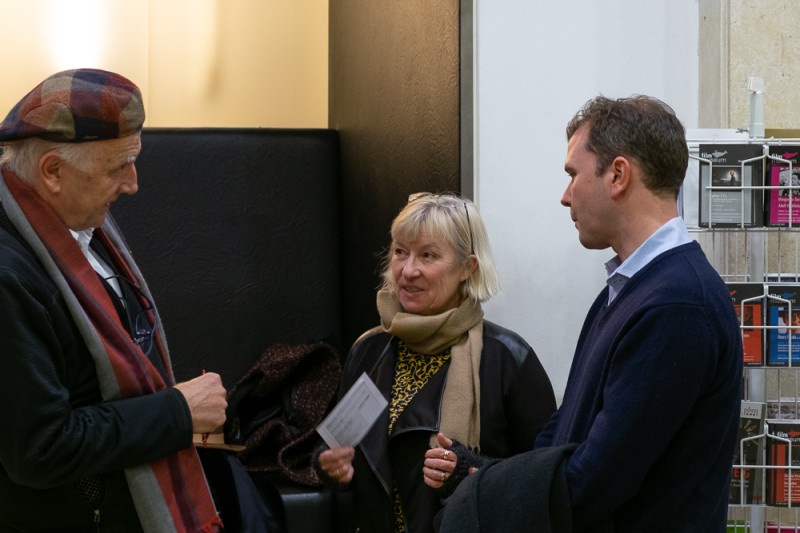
[
  {"x": 64, "y": 451},
  {"x": 516, "y": 400},
  {"x": 57, "y": 430},
  {"x": 527, "y": 492}
]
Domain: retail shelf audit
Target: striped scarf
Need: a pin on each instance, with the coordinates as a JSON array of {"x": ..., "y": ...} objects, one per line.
[{"x": 170, "y": 494}]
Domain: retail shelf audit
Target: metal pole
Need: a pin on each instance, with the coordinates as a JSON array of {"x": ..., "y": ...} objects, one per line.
[{"x": 756, "y": 241}]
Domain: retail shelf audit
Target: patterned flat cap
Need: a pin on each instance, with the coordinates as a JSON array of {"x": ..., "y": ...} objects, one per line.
[{"x": 77, "y": 106}]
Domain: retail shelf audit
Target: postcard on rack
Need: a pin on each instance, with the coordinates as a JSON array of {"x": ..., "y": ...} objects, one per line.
[
  {"x": 783, "y": 324},
  {"x": 783, "y": 478},
  {"x": 748, "y": 301},
  {"x": 731, "y": 182},
  {"x": 354, "y": 415},
  {"x": 746, "y": 482},
  {"x": 782, "y": 201}
]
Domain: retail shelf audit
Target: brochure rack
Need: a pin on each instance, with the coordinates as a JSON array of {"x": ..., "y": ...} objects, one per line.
[{"x": 744, "y": 253}]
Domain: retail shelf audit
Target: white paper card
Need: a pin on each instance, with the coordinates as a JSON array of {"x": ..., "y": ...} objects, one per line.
[{"x": 355, "y": 413}]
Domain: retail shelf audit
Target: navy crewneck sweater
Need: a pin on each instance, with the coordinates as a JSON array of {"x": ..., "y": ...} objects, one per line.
[{"x": 652, "y": 400}]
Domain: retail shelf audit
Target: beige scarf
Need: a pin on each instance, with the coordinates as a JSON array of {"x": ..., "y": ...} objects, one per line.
[{"x": 461, "y": 330}]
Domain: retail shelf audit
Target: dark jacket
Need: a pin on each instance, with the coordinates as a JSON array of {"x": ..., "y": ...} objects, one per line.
[
  {"x": 516, "y": 400},
  {"x": 527, "y": 492},
  {"x": 57, "y": 432}
]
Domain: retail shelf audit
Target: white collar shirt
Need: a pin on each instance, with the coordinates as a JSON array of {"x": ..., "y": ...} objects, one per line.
[
  {"x": 83, "y": 238},
  {"x": 669, "y": 236}
]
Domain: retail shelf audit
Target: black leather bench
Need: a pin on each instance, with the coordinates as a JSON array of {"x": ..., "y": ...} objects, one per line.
[{"x": 237, "y": 233}]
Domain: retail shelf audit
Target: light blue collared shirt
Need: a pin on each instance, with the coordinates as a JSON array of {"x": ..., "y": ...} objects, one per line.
[{"x": 669, "y": 236}]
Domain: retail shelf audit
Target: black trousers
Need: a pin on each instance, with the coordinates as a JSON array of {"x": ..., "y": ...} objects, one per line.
[{"x": 241, "y": 505}]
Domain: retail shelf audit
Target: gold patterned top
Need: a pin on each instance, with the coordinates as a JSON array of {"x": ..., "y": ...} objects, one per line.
[{"x": 411, "y": 372}]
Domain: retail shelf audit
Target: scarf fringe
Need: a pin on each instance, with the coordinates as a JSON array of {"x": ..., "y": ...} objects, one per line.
[{"x": 215, "y": 526}]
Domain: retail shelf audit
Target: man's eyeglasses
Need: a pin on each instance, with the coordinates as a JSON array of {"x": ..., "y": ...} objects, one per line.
[
  {"x": 142, "y": 330},
  {"x": 448, "y": 200}
]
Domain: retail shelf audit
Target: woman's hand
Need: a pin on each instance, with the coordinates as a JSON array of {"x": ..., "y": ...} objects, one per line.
[
  {"x": 439, "y": 463},
  {"x": 337, "y": 463}
]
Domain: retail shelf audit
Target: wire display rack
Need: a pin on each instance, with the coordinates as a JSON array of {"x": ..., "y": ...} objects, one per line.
[{"x": 751, "y": 253}]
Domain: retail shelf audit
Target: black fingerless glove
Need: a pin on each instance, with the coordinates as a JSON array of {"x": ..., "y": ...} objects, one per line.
[{"x": 467, "y": 459}]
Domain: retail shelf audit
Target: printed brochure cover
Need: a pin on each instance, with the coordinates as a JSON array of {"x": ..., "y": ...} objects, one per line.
[
  {"x": 783, "y": 323},
  {"x": 781, "y": 453},
  {"x": 748, "y": 301},
  {"x": 746, "y": 483},
  {"x": 783, "y": 175},
  {"x": 731, "y": 171}
]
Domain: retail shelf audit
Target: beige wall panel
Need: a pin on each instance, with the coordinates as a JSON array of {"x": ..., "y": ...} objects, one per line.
[
  {"x": 764, "y": 43},
  {"x": 198, "y": 62},
  {"x": 713, "y": 64},
  {"x": 239, "y": 63},
  {"x": 44, "y": 36}
]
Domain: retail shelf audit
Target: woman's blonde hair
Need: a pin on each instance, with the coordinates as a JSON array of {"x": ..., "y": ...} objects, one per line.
[{"x": 455, "y": 220}]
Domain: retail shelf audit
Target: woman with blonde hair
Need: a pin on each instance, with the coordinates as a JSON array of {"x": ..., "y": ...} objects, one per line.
[{"x": 453, "y": 380}]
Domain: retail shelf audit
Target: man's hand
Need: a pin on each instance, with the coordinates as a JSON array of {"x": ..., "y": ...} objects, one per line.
[{"x": 207, "y": 401}]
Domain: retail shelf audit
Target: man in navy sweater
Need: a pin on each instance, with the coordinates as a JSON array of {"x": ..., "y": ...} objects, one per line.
[
  {"x": 644, "y": 438},
  {"x": 653, "y": 394}
]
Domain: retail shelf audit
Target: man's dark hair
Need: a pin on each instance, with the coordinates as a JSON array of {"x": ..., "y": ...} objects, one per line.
[{"x": 641, "y": 128}]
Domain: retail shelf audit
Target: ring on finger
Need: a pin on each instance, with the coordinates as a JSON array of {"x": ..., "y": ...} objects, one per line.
[
  {"x": 443, "y": 476},
  {"x": 446, "y": 454},
  {"x": 336, "y": 473}
]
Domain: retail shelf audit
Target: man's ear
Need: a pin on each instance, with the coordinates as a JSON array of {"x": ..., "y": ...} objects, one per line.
[
  {"x": 621, "y": 175},
  {"x": 50, "y": 171}
]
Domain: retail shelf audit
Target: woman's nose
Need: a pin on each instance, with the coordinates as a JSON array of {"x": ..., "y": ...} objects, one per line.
[{"x": 410, "y": 267}]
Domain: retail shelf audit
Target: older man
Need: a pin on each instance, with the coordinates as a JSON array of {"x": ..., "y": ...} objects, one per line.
[{"x": 96, "y": 434}]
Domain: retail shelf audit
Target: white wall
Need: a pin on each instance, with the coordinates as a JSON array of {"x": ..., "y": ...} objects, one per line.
[{"x": 537, "y": 62}]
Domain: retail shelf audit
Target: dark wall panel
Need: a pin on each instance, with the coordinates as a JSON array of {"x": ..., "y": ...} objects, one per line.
[
  {"x": 394, "y": 99},
  {"x": 238, "y": 256}
]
